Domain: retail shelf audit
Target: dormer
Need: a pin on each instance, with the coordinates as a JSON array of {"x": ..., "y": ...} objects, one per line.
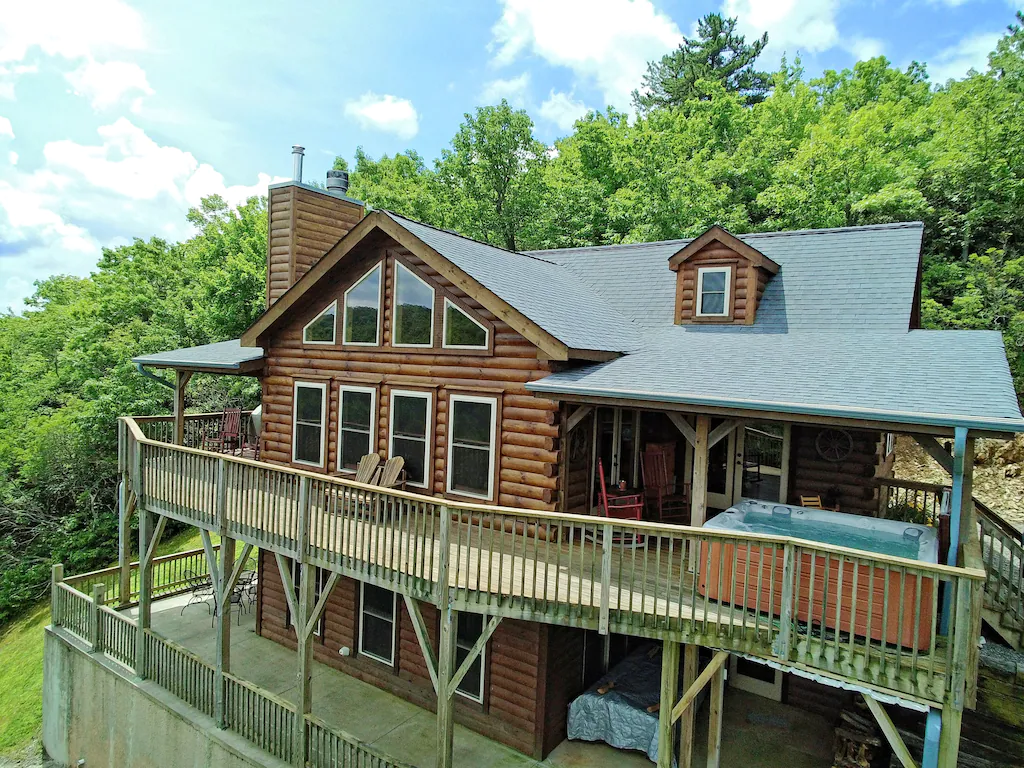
[{"x": 719, "y": 279}]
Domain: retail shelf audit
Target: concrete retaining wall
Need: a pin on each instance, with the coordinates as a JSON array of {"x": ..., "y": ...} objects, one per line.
[{"x": 95, "y": 710}]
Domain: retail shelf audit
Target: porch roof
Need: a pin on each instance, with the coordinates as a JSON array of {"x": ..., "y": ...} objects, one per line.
[
  {"x": 221, "y": 357},
  {"x": 933, "y": 378}
]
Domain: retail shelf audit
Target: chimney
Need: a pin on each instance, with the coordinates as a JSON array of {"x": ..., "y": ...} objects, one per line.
[{"x": 305, "y": 223}]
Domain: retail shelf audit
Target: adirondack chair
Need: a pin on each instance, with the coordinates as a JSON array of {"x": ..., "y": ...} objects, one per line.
[
  {"x": 367, "y": 468},
  {"x": 627, "y": 507},
  {"x": 228, "y": 434},
  {"x": 814, "y": 502},
  {"x": 666, "y": 506},
  {"x": 391, "y": 475}
]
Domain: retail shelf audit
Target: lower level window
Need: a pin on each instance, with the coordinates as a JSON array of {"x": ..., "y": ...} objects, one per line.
[
  {"x": 321, "y": 579},
  {"x": 471, "y": 626},
  {"x": 377, "y": 624}
]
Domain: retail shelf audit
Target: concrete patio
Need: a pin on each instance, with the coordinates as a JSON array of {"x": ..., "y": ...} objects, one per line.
[{"x": 758, "y": 733}]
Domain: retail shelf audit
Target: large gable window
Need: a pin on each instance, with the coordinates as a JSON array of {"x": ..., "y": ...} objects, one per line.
[
  {"x": 309, "y": 410},
  {"x": 414, "y": 309},
  {"x": 357, "y": 418},
  {"x": 460, "y": 330},
  {"x": 471, "y": 445},
  {"x": 362, "y": 310},
  {"x": 410, "y": 433},
  {"x": 320, "y": 330},
  {"x": 713, "y": 291},
  {"x": 377, "y": 623}
]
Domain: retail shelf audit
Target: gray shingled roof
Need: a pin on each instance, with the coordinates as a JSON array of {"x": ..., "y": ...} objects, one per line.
[
  {"x": 546, "y": 293},
  {"x": 920, "y": 377},
  {"x": 222, "y": 354},
  {"x": 853, "y": 277}
]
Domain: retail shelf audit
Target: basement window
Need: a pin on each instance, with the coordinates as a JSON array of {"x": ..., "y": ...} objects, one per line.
[
  {"x": 321, "y": 579},
  {"x": 320, "y": 330},
  {"x": 357, "y": 417},
  {"x": 377, "y": 623},
  {"x": 460, "y": 330},
  {"x": 410, "y": 433},
  {"x": 414, "y": 309},
  {"x": 471, "y": 445},
  {"x": 471, "y": 626},
  {"x": 362, "y": 310},
  {"x": 309, "y": 411},
  {"x": 713, "y": 291}
]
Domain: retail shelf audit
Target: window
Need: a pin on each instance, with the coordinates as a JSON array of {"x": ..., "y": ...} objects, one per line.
[
  {"x": 471, "y": 626},
  {"x": 377, "y": 623},
  {"x": 320, "y": 330},
  {"x": 713, "y": 291},
  {"x": 461, "y": 331},
  {"x": 414, "y": 309},
  {"x": 471, "y": 445},
  {"x": 309, "y": 409},
  {"x": 890, "y": 443},
  {"x": 321, "y": 579},
  {"x": 410, "y": 433},
  {"x": 357, "y": 419},
  {"x": 362, "y": 310}
]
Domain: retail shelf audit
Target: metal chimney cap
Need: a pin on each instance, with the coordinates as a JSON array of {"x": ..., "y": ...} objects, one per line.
[
  {"x": 297, "y": 150},
  {"x": 337, "y": 181}
]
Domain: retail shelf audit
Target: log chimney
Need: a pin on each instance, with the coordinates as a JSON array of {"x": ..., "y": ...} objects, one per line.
[{"x": 305, "y": 223}]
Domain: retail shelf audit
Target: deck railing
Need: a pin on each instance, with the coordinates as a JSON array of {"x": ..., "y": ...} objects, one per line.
[
  {"x": 253, "y": 713},
  {"x": 197, "y": 426},
  {"x": 911, "y": 501},
  {"x": 173, "y": 574},
  {"x": 863, "y": 617}
]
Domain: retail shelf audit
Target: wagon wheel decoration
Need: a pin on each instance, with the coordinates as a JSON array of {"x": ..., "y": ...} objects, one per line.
[
  {"x": 578, "y": 446},
  {"x": 834, "y": 444}
]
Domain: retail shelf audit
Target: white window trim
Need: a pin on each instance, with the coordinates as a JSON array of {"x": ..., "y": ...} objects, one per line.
[
  {"x": 334, "y": 330},
  {"x": 482, "y": 658},
  {"x": 727, "y": 305},
  {"x": 493, "y": 402},
  {"x": 380, "y": 308},
  {"x": 322, "y": 386},
  {"x": 394, "y": 307},
  {"x": 444, "y": 328},
  {"x": 362, "y": 624},
  {"x": 372, "y": 392},
  {"x": 429, "y": 397}
]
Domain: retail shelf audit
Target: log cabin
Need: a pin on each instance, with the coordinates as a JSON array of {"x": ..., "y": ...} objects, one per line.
[{"x": 529, "y": 392}]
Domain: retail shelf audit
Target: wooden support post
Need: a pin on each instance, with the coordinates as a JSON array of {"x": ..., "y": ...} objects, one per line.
[
  {"x": 56, "y": 577},
  {"x": 444, "y": 556},
  {"x": 690, "y": 663},
  {"x": 181, "y": 379},
  {"x": 892, "y": 735},
  {"x": 669, "y": 691},
  {"x": 963, "y": 468},
  {"x": 304, "y": 627},
  {"x": 698, "y": 498},
  {"x": 606, "y": 578},
  {"x": 124, "y": 552},
  {"x": 715, "y": 711},
  {"x": 445, "y": 669},
  {"x": 787, "y": 610},
  {"x": 145, "y": 589},
  {"x": 223, "y": 609},
  {"x": 694, "y": 688},
  {"x": 949, "y": 739},
  {"x": 96, "y": 618}
]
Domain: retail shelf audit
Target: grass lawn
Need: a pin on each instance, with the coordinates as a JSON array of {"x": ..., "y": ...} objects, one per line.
[{"x": 21, "y": 665}]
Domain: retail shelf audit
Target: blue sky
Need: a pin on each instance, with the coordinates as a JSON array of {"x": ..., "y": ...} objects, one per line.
[{"x": 117, "y": 116}]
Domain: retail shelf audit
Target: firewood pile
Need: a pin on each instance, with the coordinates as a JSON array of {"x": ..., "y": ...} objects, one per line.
[{"x": 858, "y": 743}]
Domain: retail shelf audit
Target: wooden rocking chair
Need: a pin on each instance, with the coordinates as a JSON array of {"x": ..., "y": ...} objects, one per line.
[
  {"x": 665, "y": 504},
  {"x": 228, "y": 434},
  {"x": 629, "y": 507}
]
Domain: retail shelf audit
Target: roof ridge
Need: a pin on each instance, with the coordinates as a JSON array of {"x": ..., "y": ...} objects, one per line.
[{"x": 466, "y": 237}]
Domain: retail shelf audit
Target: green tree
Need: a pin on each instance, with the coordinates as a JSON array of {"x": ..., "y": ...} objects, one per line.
[
  {"x": 401, "y": 183},
  {"x": 719, "y": 54}
]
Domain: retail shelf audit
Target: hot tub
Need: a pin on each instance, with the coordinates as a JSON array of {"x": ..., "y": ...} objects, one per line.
[{"x": 723, "y": 570}]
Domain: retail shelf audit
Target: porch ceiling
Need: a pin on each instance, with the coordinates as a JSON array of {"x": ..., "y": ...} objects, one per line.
[{"x": 224, "y": 357}]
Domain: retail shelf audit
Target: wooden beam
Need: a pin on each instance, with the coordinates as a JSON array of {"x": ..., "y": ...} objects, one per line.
[
  {"x": 211, "y": 560},
  {"x": 683, "y": 426},
  {"x": 686, "y": 733},
  {"x": 125, "y": 507},
  {"x": 715, "y": 710},
  {"x": 669, "y": 691},
  {"x": 445, "y": 666},
  {"x": 474, "y": 652},
  {"x": 181, "y": 379},
  {"x": 222, "y": 662},
  {"x": 721, "y": 431},
  {"x": 321, "y": 603},
  {"x": 949, "y": 739},
  {"x": 698, "y": 685},
  {"x": 899, "y": 748},
  {"x": 699, "y": 488},
  {"x": 285, "y": 571},
  {"x": 577, "y": 416},
  {"x": 161, "y": 523},
  {"x": 145, "y": 592},
  {"x": 934, "y": 449},
  {"x": 420, "y": 627},
  {"x": 236, "y": 571},
  {"x": 304, "y": 670}
]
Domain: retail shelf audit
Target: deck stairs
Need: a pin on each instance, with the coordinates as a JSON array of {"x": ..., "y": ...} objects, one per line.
[{"x": 1002, "y": 546}]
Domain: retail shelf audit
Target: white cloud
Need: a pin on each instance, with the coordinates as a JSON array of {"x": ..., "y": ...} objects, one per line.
[
  {"x": 807, "y": 26},
  {"x": 6, "y": 129},
  {"x": 562, "y": 110},
  {"x": 514, "y": 90},
  {"x": 12, "y": 157},
  {"x": 10, "y": 75},
  {"x": 68, "y": 28},
  {"x": 106, "y": 83},
  {"x": 864, "y": 48},
  {"x": 384, "y": 113},
  {"x": 954, "y": 61},
  {"x": 606, "y": 42}
]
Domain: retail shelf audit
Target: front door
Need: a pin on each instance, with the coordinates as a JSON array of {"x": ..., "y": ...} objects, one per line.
[
  {"x": 618, "y": 445},
  {"x": 721, "y": 470}
]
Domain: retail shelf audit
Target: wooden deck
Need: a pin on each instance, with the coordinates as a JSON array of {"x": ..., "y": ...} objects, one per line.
[{"x": 615, "y": 576}]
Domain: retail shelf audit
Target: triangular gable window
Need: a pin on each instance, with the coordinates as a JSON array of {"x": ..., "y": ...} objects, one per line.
[
  {"x": 321, "y": 329},
  {"x": 362, "y": 310},
  {"x": 461, "y": 331}
]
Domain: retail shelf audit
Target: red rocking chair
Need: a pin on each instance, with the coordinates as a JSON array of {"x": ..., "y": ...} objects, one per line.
[
  {"x": 624, "y": 507},
  {"x": 228, "y": 434}
]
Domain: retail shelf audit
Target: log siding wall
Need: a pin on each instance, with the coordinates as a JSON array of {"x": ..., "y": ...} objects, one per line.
[
  {"x": 746, "y": 288},
  {"x": 852, "y": 477}
]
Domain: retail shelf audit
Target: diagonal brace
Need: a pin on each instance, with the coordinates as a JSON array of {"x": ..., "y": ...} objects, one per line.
[
  {"x": 474, "y": 652},
  {"x": 702, "y": 680},
  {"x": 289, "y": 586},
  {"x": 899, "y": 748},
  {"x": 426, "y": 648},
  {"x": 318, "y": 609},
  {"x": 211, "y": 561},
  {"x": 224, "y": 595}
]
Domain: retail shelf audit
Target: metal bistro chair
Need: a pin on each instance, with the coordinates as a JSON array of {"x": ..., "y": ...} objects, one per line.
[
  {"x": 202, "y": 590},
  {"x": 228, "y": 434},
  {"x": 626, "y": 507}
]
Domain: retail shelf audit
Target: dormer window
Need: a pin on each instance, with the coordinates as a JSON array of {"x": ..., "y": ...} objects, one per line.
[
  {"x": 414, "y": 309},
  {"x": 362, "y": 310},
  {"x": 321, "y": 329},
  {"x": 713, "y": 291}
]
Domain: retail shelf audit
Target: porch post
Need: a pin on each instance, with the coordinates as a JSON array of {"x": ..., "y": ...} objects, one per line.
[
  {"x": 145, "y": 589},
  {"x": 716, "y": 709},
  {"x": 961, "y": 503},
  {"x": 445, "y": 668},
  {"x": 124, "y": 552},
  {"x": 949, "y": 738},
  {"x": 699, "y": 487},
  {"x": 304, "y": 628},
  {"x": 690, "y": 664},
  {"x": 223, "y": 600},
  {"x": 669, "y": 692},
  {"x": 181, "y": 379}
]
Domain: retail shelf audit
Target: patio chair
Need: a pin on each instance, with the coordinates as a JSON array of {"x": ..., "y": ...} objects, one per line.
[
  {"x": 228, "y": 433},
  {"x": 624, "y": 507},
  {"x": 666, "y": 506},
  {"x": 202, "y": 590},
  {"x": 367, "y": 467},
  {"x": 392, "y": 474},
  {"x": 813, "y": 502}
]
